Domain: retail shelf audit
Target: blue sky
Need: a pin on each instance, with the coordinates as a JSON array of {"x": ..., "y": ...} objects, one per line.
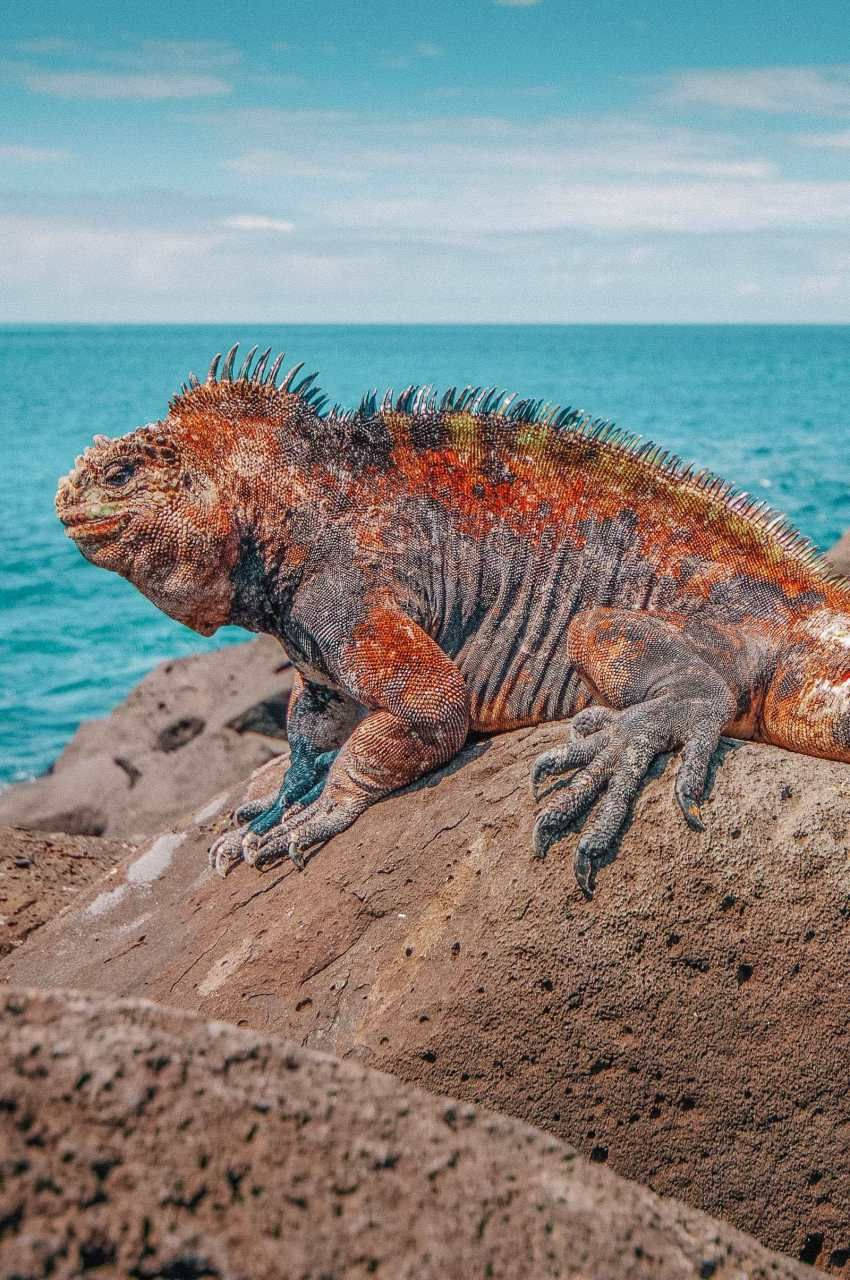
[{"x": 473, "y": 160}]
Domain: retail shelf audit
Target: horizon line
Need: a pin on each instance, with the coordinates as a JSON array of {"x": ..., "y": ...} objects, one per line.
[{"x": 426, "y": 324}]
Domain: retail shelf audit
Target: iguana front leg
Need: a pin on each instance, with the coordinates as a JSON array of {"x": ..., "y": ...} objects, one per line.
[
  {"x": 318, "y": 721},
  {"x": 418, "y": 719},
  {"x": 663, "y": 684}
]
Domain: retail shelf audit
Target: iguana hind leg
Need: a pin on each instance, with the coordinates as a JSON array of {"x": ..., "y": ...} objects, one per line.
[{"x": 662, "y": 693}]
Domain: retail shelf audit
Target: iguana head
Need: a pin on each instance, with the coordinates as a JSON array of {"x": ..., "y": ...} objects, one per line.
[{"x": 169, "y": 505}]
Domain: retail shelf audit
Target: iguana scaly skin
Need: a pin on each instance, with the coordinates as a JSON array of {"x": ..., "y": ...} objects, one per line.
[{"x": 475, "y": 564}]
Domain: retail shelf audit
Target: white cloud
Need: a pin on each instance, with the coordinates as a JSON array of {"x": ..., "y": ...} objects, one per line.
[
  {"x": 257, "y": 222},
  {"x": 630, "y": 217},
  {"x": 194, "y": 55},
  {"x": 825, "y": 141},
  {"x": 363, "y": 175},
  {"x": 33, "y": 155},
  {"x": 775, "y": 90},
  {"x": 75, "y": 257},
  {"x": 516, "y": 4},
  {"x": 93, "y": 269},
  {"x": 427, "y": 49},
  {"x": 440, "y": 150},
  {"x": 685, "y": 208},
  {"x": 106, "y": 86},
  {"x": 48, "y": 45}
]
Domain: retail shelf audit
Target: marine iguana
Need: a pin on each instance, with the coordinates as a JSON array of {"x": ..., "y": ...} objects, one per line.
[{"x": 436, "y": 566}]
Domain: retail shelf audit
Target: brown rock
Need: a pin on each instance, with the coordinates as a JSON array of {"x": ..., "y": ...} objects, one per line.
[
  {"x": 137, "y": 1141},
  {"x": 190, "y": 729},
  {"x": 839, "y": 555},
  {"x": 689, "y": 1026},
  {"x": 39, "y": 876}
]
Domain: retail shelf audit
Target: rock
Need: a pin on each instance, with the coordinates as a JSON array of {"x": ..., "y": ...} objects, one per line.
[
  {"x": 839, "y": 555},
  {"x": 689, "y": 1026},
  {"x": 39, "y": 876},
  {"x": 149, "y": 1143},
  {"x": 189, "y": 730}
]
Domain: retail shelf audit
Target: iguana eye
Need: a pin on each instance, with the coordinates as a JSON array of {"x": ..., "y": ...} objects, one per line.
[{"x": 118, "y": 473}]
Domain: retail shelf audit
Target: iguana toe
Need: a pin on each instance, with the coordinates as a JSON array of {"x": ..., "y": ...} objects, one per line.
[
  {"x": 584, "y": 866},
  {"x": 226, "y": 852},
  {"x": 561, "y": 760},
  {"x": 254, "y": 808}
]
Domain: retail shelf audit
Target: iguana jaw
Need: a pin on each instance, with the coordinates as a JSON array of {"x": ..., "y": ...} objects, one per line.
[{"x": 93, "y": 526}]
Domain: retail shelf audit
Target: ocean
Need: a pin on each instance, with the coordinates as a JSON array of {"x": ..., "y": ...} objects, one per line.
[{"x": 767, "y": 407}]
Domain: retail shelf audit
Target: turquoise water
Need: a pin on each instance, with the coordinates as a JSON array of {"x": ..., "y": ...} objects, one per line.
[{"x": 766, "y": 407}]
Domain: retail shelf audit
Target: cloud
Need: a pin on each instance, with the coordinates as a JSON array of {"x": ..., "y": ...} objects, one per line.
[
  {"x": 75, "y": 256},
  {"x": 102, "y": 267},
  {"x": 401, "y": 61},
  {"x": 683, "y": 208},
  {"x": 516, "y": 4},
  {"x": 194, "y": 55},
  {"x": 33, "y": 155},
  {"x": 456, "y": 151},
  {"x": 611, "y": 176},
  {"x": 775, "y": 90},
  {"x": 257, "y": 222},
  {"x": 106, "y": 86},
  {"x": 826, "y": 141},
  {"x": 48, "y": 45}
]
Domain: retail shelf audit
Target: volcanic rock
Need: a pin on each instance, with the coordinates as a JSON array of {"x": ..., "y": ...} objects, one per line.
[
  {"x": 190, "y": 729},
  {"x": 138, "y": 1141},
  {"x": 39, "y": 876},
  {"x": 689, "y": 1026}
]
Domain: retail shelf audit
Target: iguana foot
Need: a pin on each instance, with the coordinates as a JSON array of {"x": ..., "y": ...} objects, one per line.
[
  {"x": 305, "y": 828},
  {"x": 304, "y": 781},
  {"x": 614, "y": 757},
  {"x": 303, "y": 784}
]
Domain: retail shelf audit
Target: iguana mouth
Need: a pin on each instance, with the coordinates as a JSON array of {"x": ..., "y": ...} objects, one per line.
[{"x": 83, "y": 528}]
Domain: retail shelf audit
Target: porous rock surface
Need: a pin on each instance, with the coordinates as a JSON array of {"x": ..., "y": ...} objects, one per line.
[
  {"x": 189, "y": 730},
  {"x": 690, "y": 1026},
  {"x": 137, "y": 1141},
  {"x": 40, "y": 875}
]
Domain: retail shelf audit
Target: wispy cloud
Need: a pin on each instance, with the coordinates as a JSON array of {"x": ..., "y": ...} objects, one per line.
[
  {"x": 257, "y": 222},
  {"x": 75, "y": 255},
  {"x": 463, "y": 148},
  {"x": 551, "y": 205},
  {"x": 609, "y": 176},
  {"x": 401, "y": 61},
  {"x": 15, "y": 153},
  {"x": 775, "y": 90},
  {"x": 825, "y": 141},
  {"x": 625, "y": 213},
  {"x": 108, "y": 86},
  {"x": 516, "y": 4},
  {"x": 48, "y": 45},
  {"x": 187, "y": 55}
]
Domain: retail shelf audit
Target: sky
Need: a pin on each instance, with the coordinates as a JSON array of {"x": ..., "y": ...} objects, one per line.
[{"x": 450, "y": 161}]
